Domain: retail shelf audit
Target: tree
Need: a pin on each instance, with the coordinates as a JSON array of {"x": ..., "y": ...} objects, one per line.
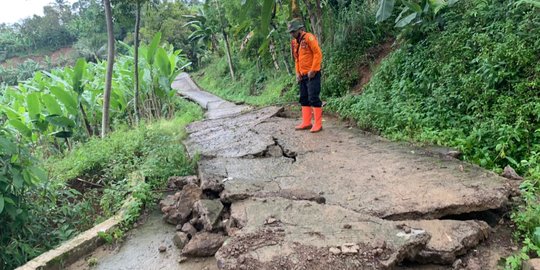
[
  {"x": 315, "y": 17},
  {"x": 110, "y": 65},
  {"x": 136, "y": 60},
  {"x": 226, "y": 39}
]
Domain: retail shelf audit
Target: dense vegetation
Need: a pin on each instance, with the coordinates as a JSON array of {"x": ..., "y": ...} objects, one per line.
[
  {"x": 471, "y": 82},
  {"x": 464, "y": 74},
  {"x": 58, "y": 177},
  {"x": 55, "y": 116},
  {"x": 88, "y": 184}
]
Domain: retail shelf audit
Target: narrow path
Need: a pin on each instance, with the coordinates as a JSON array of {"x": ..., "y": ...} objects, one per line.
[
  {"x": 338, "y": 199},
  {"x": 215, "y": 107}
]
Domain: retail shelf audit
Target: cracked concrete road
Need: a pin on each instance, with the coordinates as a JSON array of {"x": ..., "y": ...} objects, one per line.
[
  {"x": 359, "y": 172},
  {"x": 249, "y": 157}
]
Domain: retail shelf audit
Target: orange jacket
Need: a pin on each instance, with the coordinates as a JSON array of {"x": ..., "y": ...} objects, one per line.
[{"x": 307, "y": 56}]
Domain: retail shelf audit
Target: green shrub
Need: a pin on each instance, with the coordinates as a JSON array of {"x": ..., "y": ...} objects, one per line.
[
  {"x": 467, "y": 86},
  {"x": 19, "y": 176},
  {"x": 470, "y": 83},
  {"x": 91, "y": 183},
  {"x": 349, "y": 32},
  {"x": 254, "y": 85}
]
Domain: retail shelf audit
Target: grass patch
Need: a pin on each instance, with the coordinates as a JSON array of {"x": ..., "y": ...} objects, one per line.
[
  {"x": 468, "y": 82},
  {"x": 90, "y": 183},
  {"x": 254, "y": 86}
]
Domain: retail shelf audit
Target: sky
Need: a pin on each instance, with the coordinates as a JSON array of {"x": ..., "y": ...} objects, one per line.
[{"x": 12, "y": 11}]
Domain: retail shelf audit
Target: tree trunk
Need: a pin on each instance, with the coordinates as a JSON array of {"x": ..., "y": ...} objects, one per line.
[
  {"x": 110, "y": 64},
  {"x": 315, "y": 17},
  {"x": 273, "y": 54},
  {"x": 136, "y": 61},
  {"x": 85, "y": 119},
  {"x": 229, "y": 58}
]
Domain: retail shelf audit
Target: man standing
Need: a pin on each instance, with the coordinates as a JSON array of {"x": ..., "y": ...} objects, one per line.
[{"x": 307, "y": 59}]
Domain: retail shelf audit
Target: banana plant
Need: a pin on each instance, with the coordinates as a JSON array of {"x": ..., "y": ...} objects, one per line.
[
  {"x": 65, "y": 104},
  {"x": 412, "y": 11}
]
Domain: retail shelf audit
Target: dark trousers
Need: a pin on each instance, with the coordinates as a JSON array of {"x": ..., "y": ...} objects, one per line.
[{"x": 310, "y": 90}]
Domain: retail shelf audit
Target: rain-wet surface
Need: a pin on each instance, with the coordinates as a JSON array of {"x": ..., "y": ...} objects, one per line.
[
  {"x": 140, "y": 250},
  {"x": 339, "y": 198}
]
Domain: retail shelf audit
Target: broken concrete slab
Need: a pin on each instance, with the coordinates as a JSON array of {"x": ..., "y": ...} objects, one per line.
[
  {"x": 532, "y": 264},
  {"x": 207, "y": 137},
  {"x": 209, "y": 212},
  {"x": 178, "y": 182},
  {"x": 189, "y": 229},
  {"x": 303, "y": 233},
  {"x": 178, "y": 207},
  {"x": 449, "y": 239},
  {"x": 351, "y": 169},
  {"x": 203, "y": 245},
  {"x": 180, "y": 240}
]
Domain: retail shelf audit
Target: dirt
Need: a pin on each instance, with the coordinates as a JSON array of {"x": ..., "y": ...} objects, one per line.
[
  {"x": 373, "y": 59},
  {"x": 57, "y": 57}
]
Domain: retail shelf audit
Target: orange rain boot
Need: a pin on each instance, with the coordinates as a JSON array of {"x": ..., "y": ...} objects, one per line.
[
  {"x": 306, "y": 118},
  {"x": 317, "y": 125}
]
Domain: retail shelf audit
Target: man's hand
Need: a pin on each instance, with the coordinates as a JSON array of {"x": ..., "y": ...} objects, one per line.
[
  {"x": 298, "y": 78},
  {"x": 311, "y": 74}
]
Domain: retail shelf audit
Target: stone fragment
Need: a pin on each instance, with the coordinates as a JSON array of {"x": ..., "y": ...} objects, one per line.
[
  {"x": 209, "y": 212},
  {"x": 270, "y": 221},
  {"x": 335, "y": 250},
  {"x": 180, "y": 239},
  {"x": 449, "y": 239},
  {"x": 457, "y": 264},
  {"x": 532, "y": 264},
  {"x": 211, "y": 182},
  {"x": 178, "y": 182},
  {"x": 473, "y": 264},
  {"x": 510, "y": 173},
  {"x": 203, "y": 245},
  {"x": 274, "y": 151},
  {"x": 162, "y": 249},
  {"x": 454, "y": 154},
  {"x": 177, "y": 209},
  {"x": 189, "y": 229},
  {"x": 350, "y": 248}
]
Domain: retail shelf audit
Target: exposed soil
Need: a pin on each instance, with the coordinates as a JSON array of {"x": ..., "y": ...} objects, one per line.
[
  {"x": 373, "y": 59},
  {"x": 57, "y": 57}
]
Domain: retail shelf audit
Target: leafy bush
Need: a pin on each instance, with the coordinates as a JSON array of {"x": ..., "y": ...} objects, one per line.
[
  {"x": 471, "y": 84},
  {"x": 349, "y": 32},
  {"x": 53, "y": 108},
  {"x": 90, "y": 184},
  {"x": 254, "y": 85},
  {"x": 467, "y": 86}
]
